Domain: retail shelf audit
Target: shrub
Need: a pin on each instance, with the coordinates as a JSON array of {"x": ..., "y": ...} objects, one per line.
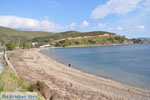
[
  {"x": 9, "y": 82},
  {"x": 10, "y": 46},
  {"x": 29, "y": 86}
]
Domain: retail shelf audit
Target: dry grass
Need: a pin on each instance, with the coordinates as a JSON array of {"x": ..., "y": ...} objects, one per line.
[{"x": 9, "y": 82}]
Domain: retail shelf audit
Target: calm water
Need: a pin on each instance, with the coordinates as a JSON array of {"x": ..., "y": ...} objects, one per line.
[{"x": 129, "y": 64}]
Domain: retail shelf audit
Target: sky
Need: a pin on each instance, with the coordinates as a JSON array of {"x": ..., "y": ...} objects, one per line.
[{"x": 130, "y": 18}]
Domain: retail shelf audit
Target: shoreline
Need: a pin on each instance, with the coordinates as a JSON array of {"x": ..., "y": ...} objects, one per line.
[
  {"x": 70, "y": 82},
  {"x": 87, "y": 71},
  {"x": 93, "y": 45}
]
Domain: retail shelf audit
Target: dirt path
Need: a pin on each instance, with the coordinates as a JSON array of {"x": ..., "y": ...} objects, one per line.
[{"x": 71, "y": 84}]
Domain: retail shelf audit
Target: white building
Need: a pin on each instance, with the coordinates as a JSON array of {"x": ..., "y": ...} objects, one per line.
[
  {"x": 45, "y": 46},
  {"x": 34, "y": 43}
]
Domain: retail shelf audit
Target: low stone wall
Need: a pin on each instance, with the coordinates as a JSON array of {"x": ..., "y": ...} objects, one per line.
[
  {"x": 1, "y": 54},
  {"x": 9, "y": 64}
]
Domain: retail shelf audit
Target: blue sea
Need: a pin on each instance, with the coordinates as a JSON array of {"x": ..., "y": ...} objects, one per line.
[{"x": 128, "y": 64}]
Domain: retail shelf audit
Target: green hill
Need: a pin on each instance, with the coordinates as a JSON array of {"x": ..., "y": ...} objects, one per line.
[
  {"x": 8, "y": 34},
  {"x": 27, "y": 34},
  {"x": 69, "y": 38},
  {"x": 74, "y": 38},
  {"x": 68, "y": 34}
]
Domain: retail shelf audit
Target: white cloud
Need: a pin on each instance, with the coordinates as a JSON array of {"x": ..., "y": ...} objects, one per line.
[
  {"x": 141, "y": 27},
  {"x": 31, "y": 24},
  {"x": 110, "y": 28},
  {"x": 101, "y": 25},
  {"x": 119, "y": 28},
  {"x": 140, "y": 18},
  {"x": 84, "y": 24},
  {"x": 71, "y": 26},
  {"x": 116, "y": 7}
]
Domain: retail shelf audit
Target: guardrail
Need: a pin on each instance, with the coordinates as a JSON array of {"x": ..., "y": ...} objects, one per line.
[{"x": 9, "y": 64}]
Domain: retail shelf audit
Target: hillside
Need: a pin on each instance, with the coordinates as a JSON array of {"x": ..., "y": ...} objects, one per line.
[
  {"x": 27, "y": 34},
  {"x": 74, "y": 38},
  {"x": 68, "y": 34},
  {"x": 68, "y": 38},
  {"x": 8, "y": 34}
]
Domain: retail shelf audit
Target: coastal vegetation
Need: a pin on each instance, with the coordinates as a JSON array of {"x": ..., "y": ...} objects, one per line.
[
  {"x": 137, "y": 41},
  {"x": 9, "y": 82},
  {"x": 69, "y": 34},
  {"x": 8, "y": 35},
  {"x": 10, "y": 46},
  {"x": 93, "y": 41},
  {"x": 74, "y": 38},
  {"x": 141, "y": 40},
  {"x": 11, "y": 38}
]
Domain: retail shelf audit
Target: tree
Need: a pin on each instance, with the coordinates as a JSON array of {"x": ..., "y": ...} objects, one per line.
[
  {"x": 57, "y": 44},
  {"x": 110, "y": 39},
  {"x": 77, "y": 42},
  {"x": 120, "y": 39},
  {"x": 92, "y": 41},
  {"x": 10, "y": 46},
  {"x": 137, "y": 41}
]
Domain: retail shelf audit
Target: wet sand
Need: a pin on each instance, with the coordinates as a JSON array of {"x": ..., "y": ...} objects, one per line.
[{"x": 69, "y": 83}]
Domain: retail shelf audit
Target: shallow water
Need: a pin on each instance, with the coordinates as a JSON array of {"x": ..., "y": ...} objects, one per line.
[{"x": 129, "y": 64}]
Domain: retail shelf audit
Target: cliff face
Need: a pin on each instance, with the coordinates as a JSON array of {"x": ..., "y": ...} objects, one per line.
[{"x": 128, "y": 42}]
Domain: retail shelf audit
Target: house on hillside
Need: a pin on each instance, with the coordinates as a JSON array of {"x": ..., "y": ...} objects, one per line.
[{"x": 34, "y": 43}]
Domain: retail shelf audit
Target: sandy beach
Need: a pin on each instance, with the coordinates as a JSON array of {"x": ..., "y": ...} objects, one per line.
[{"x": 69, "y": 83}]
